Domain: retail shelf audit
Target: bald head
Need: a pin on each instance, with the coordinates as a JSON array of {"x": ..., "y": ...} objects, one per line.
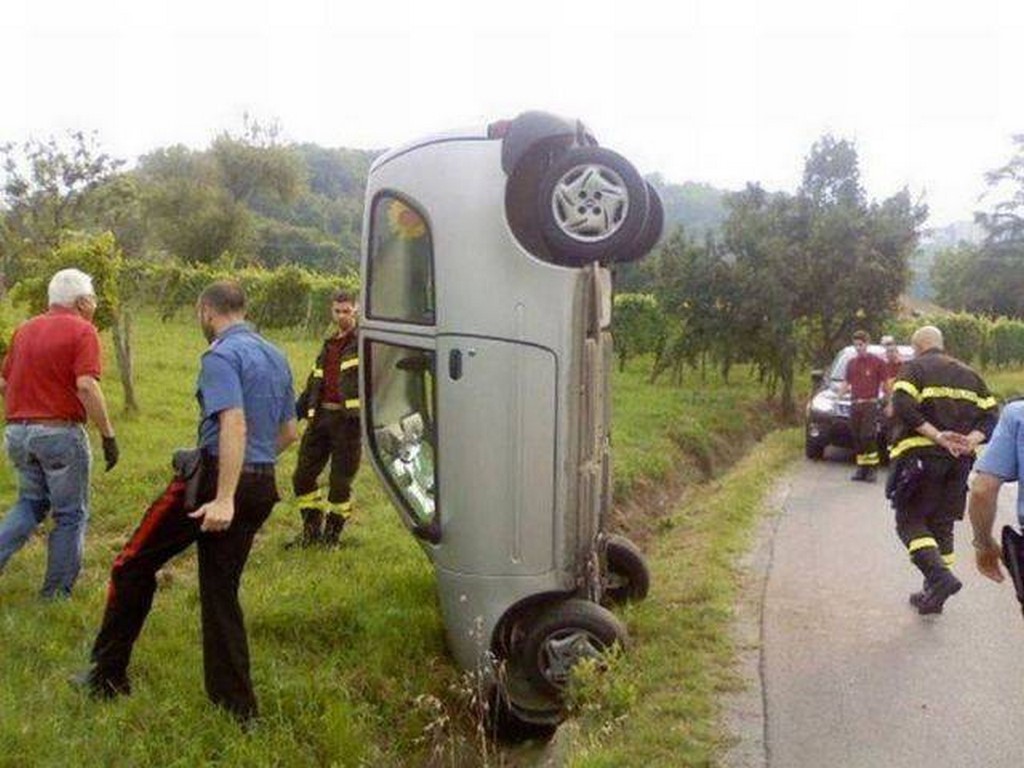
[{"x": 925, "y": 338}]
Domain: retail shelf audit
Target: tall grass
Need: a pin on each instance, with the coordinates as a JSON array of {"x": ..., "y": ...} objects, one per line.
[{"x": 348, "y": 650}]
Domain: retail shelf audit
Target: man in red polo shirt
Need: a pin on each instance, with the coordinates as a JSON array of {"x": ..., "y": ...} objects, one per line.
[
  {"x": 50, "y": 385},
  {"x": 865, "y": 375}
]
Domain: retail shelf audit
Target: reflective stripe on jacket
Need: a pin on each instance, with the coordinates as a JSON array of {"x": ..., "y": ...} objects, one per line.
[{"x": 944, "y": 392}]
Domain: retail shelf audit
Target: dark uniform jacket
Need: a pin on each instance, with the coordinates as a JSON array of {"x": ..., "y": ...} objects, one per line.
[
  {"x": 944, "y": 392},
  {"x": 348, "y": 381}
]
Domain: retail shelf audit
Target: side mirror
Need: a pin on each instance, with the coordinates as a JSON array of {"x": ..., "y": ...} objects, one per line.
[{"x": 817, "y": 378}]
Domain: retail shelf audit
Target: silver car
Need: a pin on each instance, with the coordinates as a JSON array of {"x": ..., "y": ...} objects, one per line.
[{"x": 486, "y": 357}]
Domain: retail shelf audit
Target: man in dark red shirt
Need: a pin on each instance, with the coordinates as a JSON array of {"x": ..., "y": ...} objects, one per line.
[
  {"x": 865, "y": 376},
  {"x": 50, "y": 385},
  {"x": 331, "y": 403}
]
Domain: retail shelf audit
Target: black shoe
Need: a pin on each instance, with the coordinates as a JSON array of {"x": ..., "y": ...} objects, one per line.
[
  {"x": 332, "y": 530},
  {"x": 860, "y": 474},
  {"x": 938, "y": 591},
  {"x": 97, "y": 686},
  {"x": 869, "y": 475}
]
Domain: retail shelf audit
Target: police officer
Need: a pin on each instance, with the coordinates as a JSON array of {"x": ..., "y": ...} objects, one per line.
[
  {"x": 331, "y": 403},
  {"x": 943, "y": 412}
]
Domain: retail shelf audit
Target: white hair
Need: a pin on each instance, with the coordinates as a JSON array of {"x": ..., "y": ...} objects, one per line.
[{"x": 68, "y": 285}]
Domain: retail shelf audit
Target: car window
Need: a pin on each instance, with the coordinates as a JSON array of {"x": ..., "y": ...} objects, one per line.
[{"x": 400, "y": 264}]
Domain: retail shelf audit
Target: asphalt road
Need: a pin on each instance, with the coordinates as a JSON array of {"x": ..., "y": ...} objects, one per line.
[{"x": 851, "y": 674}]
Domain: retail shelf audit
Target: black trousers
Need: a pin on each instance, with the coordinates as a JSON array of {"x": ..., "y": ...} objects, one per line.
[
  {"x": 864, "y": 429},
  {"x": 165, "y": 531},
  {"x": 936, "y": 503},
  {"x": 331, "y": 436}
]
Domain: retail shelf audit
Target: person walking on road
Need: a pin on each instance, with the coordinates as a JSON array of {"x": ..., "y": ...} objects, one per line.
[
  {"x": 50, "y": 385},
  {"x": 865, "y": 375},
  {"x": 331, "y": 403},
  {"x": 943, "y": 412},
  {"x": 246, "y": 418}
]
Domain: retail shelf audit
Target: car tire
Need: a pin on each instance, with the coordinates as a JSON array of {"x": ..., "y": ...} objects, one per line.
[
  {"x": 627, "y": 577},
  {"x": 814, "y": 449},
  {"x": 564, "y": 634},
  {"x": 507, "y": 724},
  {"x": 591, "y": 205},
  {"x": 651, "y": 231}
]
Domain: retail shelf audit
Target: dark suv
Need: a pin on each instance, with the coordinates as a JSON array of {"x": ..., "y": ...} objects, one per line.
[{"x": 828, "y": 412}]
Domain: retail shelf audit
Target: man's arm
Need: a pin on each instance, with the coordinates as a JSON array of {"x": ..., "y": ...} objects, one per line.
[
  {"x": 287, "y": 434},
  {"x": 91, "y": 397},
  {"x": 218, "y": 514},
  {"x": 981, "y": 508}
]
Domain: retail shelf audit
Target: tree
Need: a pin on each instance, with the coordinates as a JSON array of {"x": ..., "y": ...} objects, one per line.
[
  {"x": 851, "y": 256},
  {"x": 45, "y": 186},
  {"x": 99, "y": 257}
]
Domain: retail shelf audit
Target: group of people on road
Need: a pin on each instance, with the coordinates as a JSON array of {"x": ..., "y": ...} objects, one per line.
[
  {"x": 248, "y": 415},
  {"x": 948, "y": 443}
]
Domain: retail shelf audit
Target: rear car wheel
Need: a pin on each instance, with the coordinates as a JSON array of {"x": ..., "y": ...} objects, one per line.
[
  {"x": 563, "y": 635},
  {"x": 651, "y": 231},
  {"x": 591, "y": 206},
  {"x": 627, "y": 577}
]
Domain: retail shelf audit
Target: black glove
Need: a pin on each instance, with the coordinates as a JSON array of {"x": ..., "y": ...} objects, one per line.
[
  {"x": 301, "y": 409},
  {"x": 110, "y": 452}
]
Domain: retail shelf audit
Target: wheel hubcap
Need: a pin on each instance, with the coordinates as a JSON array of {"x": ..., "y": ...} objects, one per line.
[
  {"x": 590, "y": 203},
  {"x": 562, "y": 651}
]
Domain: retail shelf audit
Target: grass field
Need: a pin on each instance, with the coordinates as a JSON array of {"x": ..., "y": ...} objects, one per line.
[{"x": 348, "y": 650}]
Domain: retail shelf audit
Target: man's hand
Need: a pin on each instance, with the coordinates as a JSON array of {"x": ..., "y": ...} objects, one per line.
[
  {"x": 216, "y": 515},
  {"x": 111, "y": 453},
  {"x": 957, "y": 444},
  {"x": 987, "y": 556}
]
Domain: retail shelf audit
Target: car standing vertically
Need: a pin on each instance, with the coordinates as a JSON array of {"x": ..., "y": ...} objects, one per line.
[
  {"x": 487, "y": 355},
  {"x": 827, "y": 420}
]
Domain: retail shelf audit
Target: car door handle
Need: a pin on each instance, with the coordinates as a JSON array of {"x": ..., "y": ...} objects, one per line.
[{"x": 455, "y": 364}]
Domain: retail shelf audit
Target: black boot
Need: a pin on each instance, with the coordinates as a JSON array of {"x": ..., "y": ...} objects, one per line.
[
  {"x": 860, "y": 474},
  {"x": 99, "y": 686},
  {"x": 940, "y": 583},
  {"x": 332, "y": 530},
  {"x": 869, "y": 475},
  {"x": 311, "y": 521}
]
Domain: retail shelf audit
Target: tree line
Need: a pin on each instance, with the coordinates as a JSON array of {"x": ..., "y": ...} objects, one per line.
[
  {"x": 787, "y": 281},
  {"x": 988, "y": 278}
]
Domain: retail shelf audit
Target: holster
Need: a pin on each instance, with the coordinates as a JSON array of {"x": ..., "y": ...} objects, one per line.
[
  {"x": 188, "y": 467},
  {"x": 904, "y": 480}
]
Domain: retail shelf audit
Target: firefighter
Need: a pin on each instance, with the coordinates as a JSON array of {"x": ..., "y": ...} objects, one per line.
[
  {"x": 330, "y": 402},
  {"x": 865, "y": 375},
  {"x": 943, "y": 412}
]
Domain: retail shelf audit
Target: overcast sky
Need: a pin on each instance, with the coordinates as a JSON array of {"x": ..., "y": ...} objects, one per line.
[{"x": 719, "y": 91}]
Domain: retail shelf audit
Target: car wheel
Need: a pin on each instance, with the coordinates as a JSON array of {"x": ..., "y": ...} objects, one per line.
[
  {"x": 563, "y": 635},
  {"x": 651, "y": 231},
  {"x": 592, "y": 204},
  {"x": 506, "y": 723},
  {"x": 814, "y": 449},
  {"x": 627, "y": 577}
]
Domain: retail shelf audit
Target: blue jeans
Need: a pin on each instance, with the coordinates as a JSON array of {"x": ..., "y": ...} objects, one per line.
[{"x": 53, "y": 476}]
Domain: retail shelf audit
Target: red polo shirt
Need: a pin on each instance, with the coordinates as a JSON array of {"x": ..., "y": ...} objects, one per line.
[
  {"x": 47, "y": 354},
  {"x": 865, "y": 374}
]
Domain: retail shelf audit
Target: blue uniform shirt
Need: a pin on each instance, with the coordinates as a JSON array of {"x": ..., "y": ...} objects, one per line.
[
  {"x": 1003, "y": 455},
  {"x": 243, "y": 370}
]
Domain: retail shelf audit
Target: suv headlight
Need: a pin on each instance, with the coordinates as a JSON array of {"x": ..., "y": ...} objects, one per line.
[{"x": 824, "y": 402}]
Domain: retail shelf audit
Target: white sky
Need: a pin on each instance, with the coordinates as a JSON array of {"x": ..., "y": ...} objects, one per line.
[{"x": 722, "y": 91}]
